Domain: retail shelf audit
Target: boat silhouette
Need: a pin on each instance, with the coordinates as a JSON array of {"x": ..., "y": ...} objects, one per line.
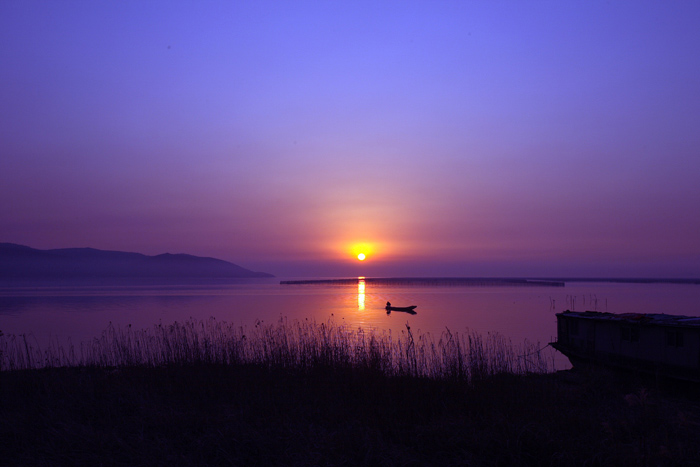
[{"x": 405, "y": 309}]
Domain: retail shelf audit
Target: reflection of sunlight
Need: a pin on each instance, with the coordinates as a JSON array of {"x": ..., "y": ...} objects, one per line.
[{"x": 361, "y": 293}]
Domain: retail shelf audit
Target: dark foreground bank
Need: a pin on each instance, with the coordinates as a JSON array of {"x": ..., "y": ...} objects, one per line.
[{"x": 212, "y": 414}]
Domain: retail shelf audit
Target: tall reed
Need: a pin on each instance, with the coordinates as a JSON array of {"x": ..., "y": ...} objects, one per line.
[{"x": 297, "y": 345}]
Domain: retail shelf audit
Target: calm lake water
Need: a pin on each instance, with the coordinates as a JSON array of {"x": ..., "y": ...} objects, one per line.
[{"x": 81, "y": 312}]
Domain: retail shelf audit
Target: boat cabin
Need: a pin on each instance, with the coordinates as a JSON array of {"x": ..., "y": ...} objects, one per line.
[{"x": 660, "y": 344}]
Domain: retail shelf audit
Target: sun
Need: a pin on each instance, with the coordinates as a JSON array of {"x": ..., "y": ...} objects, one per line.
[{"x": 361, "y": 251}]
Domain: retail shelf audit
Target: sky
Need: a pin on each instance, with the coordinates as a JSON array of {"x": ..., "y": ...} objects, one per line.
[{"x": 440, "y": 138}]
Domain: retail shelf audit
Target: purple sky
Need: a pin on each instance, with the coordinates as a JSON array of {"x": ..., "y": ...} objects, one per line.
[{"x": 462, "y": 138}]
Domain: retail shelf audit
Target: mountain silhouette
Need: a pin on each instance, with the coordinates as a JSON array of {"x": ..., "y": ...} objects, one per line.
[{"x": 23, "y": 262}]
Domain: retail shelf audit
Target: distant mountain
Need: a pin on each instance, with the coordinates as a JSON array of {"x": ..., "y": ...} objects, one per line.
[{"x": 23, "y": 262}]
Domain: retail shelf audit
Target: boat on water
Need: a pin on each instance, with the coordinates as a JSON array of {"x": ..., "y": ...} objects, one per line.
[
  {"x": 407, "y": 309},
  {"x": 658, "y": 344}
]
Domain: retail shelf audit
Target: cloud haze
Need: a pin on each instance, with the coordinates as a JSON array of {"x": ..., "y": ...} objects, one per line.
[{"x": 454, "y": 138}]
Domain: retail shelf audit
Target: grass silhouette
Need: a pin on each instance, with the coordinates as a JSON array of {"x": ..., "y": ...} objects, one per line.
[
  {"x": 297, "y": 345},
  {"x": 306, "y": 393}
]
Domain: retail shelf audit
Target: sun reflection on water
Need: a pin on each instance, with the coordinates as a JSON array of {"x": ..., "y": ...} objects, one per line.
[{"x": 361, "y": 293}]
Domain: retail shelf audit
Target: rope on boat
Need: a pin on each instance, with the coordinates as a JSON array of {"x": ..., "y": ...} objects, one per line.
[{"x": 534, "y": 351}]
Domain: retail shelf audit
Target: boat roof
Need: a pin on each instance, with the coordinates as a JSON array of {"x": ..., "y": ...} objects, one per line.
[{"x": 642, "y": 318}]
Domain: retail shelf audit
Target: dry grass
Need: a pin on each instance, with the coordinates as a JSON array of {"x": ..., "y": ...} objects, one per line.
[
  {"x": 297, "y": 345},
  {"x": 303, "y": 393}
]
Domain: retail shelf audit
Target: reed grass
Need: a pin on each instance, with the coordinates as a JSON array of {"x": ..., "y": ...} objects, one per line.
[
  {"x": 208, "y": 393},
  {"x": 295, "y": 345}
]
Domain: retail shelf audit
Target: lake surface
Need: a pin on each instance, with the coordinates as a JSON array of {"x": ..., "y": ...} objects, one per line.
[{"x": 63, "y": 312}]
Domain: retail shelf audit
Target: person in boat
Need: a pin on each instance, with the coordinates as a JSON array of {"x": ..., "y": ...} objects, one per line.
[{"x": 388, "y": 304}]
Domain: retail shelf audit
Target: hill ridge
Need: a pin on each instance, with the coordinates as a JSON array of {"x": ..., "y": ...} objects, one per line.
[{"x": 24, "y": 262}]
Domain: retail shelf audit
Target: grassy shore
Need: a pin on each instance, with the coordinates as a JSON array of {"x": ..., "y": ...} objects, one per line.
[{"x": 205, "y": 393}]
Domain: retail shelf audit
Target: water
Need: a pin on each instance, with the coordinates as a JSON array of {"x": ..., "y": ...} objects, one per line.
[{"x": 75, "y": 313}]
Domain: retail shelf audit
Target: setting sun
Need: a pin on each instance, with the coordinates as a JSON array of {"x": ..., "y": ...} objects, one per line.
[{"x": 360, "y": 250}]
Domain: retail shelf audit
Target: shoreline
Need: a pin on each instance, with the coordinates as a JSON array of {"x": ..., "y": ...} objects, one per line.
[
  {"x": 206, "y": 393},
  {"x": 211, "y": 414},
  {"x": 488, "y": 281},
  {"x": 435, "y": 281}
]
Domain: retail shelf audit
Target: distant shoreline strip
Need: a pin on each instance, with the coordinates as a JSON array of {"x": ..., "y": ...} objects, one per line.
[
  {"x": 489, "y": 281},
  {"x": 453, "y": 281}
]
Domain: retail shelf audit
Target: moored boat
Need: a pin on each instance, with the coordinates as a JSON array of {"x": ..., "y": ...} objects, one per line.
[{"x": 659, "y": 344}]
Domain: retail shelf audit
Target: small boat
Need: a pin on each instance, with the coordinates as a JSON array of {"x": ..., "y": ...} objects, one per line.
[
  {"x": 402, "y": 308},
  {"x": 406, "y": 309}
]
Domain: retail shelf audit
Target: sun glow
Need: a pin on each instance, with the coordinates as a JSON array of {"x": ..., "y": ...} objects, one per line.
[{"x": 361, "y": 251}]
